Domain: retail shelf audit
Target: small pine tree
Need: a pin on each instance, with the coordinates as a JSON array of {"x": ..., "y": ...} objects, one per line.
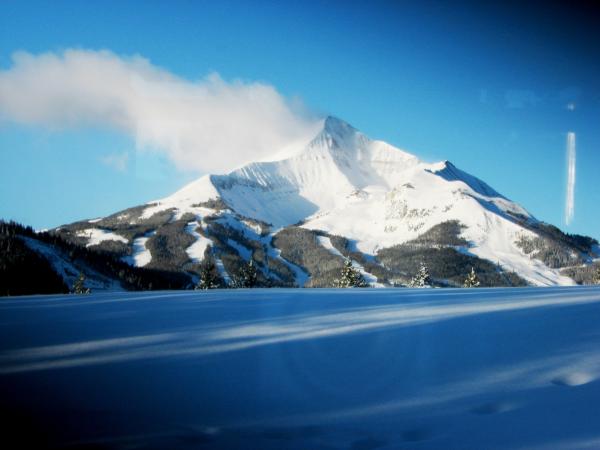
[
  {"x": 421, "y": 278},
  {"x": 247, "y": 276},
  {"x": 79, "y": 285},
  {"x": 597, "y": 276},
  {"x": 209, "y": 276},
  {"x": 349, "y": 277},
  {"x": 471, "y": 281}
]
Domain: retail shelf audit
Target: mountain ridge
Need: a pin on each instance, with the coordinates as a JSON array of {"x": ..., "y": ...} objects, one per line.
[{"x": 338, "y": 182}]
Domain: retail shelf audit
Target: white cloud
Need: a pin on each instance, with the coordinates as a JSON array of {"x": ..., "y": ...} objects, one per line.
[
  {"x": 570, "y": 196},
  {"x": 118, "y": 161},
  {"x": 204, "y": 125}
]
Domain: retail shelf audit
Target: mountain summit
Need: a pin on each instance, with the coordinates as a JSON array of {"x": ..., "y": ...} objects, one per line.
[{"x": 340, "y": 194}]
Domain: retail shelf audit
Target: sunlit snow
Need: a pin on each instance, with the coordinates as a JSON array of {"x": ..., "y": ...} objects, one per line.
[
  {"x": 197, "y": 249},
  {"x": 344, "y": 183},
  {"x": 96, "y": 235},
  {"x": 141, "y": 255}
]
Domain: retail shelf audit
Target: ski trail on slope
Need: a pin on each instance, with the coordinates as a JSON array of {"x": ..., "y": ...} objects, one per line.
[{"x": 325, "y": 242}]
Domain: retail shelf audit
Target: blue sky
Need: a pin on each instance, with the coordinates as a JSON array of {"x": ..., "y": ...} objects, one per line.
[{"x": 485, "y": 86}]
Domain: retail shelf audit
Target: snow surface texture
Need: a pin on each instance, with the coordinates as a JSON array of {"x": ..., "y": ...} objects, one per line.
[
  {"x": 306, "y": 369},
  {"x": 141, "y": 255},
  {"x": 197, "y": 249},
  {"x": 97, "y": 235},
  {"x": 375, "y": 194}
]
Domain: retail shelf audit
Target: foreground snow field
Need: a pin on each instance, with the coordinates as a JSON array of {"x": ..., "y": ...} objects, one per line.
[{"x": 304, "y": 369}]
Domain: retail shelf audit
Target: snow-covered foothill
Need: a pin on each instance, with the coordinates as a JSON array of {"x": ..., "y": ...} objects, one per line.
[
  {"x": 68, "y": 271},
  {"x": 184, "y": 200}
]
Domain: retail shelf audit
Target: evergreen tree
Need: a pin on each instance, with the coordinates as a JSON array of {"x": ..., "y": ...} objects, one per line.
[
  {"x": 209, "y": 275},
  {"x": 597, "y": 276},
  {"x": 349, "y": 277},
  {"x": 471, "y": 280},
  {"x": 247, "y": 276},
  {"x": 79, "y": 285},
  {"x": 422, "y": 278}
]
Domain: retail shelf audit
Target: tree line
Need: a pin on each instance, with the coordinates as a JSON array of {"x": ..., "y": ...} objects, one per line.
[{"x": 24, "y": 271}]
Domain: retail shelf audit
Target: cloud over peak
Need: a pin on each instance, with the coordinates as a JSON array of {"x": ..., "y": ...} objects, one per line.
[{"x": 204, "y": 125}]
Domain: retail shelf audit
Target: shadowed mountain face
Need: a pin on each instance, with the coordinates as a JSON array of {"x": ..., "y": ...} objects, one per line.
[{"x": 341, "y": 194}]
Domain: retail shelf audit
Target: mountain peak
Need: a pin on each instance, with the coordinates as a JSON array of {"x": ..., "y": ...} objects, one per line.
[
  {"x": 337, "y": 126},
  {"x": 336, "y": 133},
  {"x": 341, "y": 183}
]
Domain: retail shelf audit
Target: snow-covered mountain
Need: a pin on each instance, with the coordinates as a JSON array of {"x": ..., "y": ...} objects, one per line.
[{"x": 341, "y": 194}]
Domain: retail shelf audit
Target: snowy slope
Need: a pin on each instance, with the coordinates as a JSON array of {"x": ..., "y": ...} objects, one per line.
[
  {"x": 342, "y": 182},
  {"x": 369, "y": 278},
  {"x": 68, "y": 271},
  {"x": 140, "y": 256},
  {"x": 96, "y": 235},
  {"x": 305, "y": 369},
  {"x": 197, "y": 249},
  {"x": 377, "y": 195}
]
